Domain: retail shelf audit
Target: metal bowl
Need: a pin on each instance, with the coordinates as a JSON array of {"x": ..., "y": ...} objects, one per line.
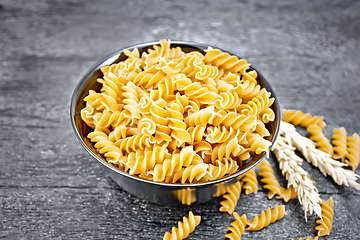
[{"x": 163, "y": 193}]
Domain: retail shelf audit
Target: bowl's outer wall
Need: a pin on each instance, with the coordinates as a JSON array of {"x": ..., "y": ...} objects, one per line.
[{"x": 152, "y": 191}]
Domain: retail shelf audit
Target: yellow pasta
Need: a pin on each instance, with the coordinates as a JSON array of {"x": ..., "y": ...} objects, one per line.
[
  {"x": 222, "y": 168},
  {"x": 287, "y": 193},
  {"x": 324, "y": 225},
  {"x": 250, "y": 182},
  {"x": 271, "y": 183},
  {"x": 202, "y": 114},
  {"x": 268, "y": 178},
  {"x": 231, "y": 198},
  {"x": 339, "y": 142},
  {"x": 317, "y": 135},
  {"x": 265, "y": 219},
  {"x": 352, "y": 158},
  {"x": 302, "y": 119},
  {"x": 237, "y": 227},
  {"x": 184, "y": 228}
]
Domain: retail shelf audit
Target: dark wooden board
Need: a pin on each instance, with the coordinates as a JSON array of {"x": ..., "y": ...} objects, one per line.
[{"x": 50, "y": 188}]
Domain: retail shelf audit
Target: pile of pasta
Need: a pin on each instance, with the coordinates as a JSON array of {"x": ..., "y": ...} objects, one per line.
[{"x": 176, "y": 117}]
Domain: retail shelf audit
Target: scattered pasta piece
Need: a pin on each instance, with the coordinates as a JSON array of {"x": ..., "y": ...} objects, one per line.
[
  {"x": 268, "y": 178},
  {"x": 339, "y": 142},
  {"x": 271, "y": 183},
  {"x": 184, "y": 228},
  {"x": 321, "y": 142},
  {"x": 237, "y": 227},
  {"x": 287, "y": 193},
  {"x": 250, "y": 182},
  {"x": 352, "y": 158},
  {"x": 231, "y": 198},
  {"x": 325, "y": 224},
  {"x": 302, "y": 119},
  {"x": 265, "y": 219},
  {"x": 308, "y": 238}
]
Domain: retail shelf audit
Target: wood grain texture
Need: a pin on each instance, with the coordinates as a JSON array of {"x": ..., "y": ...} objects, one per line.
[{"x": 50, "y": 188}]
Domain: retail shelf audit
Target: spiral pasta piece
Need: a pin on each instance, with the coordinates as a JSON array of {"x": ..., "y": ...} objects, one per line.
[
  {"x": 202, "y": 117},
  {"x": 220, "y": 169},
  {"x": 235, "y": 120},
  {"x": 132, "y": 143},
  {"x": 227, "y": 149},
  {"x": 148, "y": 78},
  {"x": 228, "y": 100},
  {"x": 225, "y": 61},
  {"x": 217, "y": 135},
  {"x": 265, "y": 219},
  {"x": 177, "y": 124},
  {"x": 184, "y": 228},
  {"x": 257, "y": 105},
  {"x": 195, "y": 173},
  {"x": 194, "y": 90},
  {"x": 185, "y": 158},
  {"x": 302, "y": 119},
  {"x": 112, "y": 153},
  {"x": 95, "y": 100},
  {"x": 205, "y": 72},
  {"x": 256, "y": 143},
  {"x": 247, "y": 89},
  {"x": 352, "y": 158},
  {"x": 321, "y": 142},
  {"x": 268, "y": 178},
  {"x": 231, "y": 198},
  {"x": 308, "y": 238},
  {"x": 250, "y": 182},
  {"x": 339, "y": 141},
  {"x": 324, "y": 225},
  {"x": 132, "y": 99},
  {"x": 287, "y": 193},
  {"x": 159, "y": 116},
  {"x": 237, "y": 227}
]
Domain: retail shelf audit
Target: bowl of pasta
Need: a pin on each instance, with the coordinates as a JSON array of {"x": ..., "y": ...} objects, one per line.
[{"x": 175, "y": 121}]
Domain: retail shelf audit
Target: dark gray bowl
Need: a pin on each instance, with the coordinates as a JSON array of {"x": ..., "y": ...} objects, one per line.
[{"x": 163, "y": 193}]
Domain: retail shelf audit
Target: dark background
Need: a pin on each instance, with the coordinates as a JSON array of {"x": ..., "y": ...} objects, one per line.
[{"x": 50, "y": 187}]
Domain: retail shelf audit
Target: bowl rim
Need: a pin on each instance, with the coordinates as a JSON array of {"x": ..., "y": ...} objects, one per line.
[{"x": 109, "y": 59}]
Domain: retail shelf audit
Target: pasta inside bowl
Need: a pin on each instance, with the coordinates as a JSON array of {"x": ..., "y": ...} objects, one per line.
[{"x": 175, "y": 120}]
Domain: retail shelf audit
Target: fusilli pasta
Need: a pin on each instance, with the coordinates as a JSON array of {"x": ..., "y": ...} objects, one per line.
[
  {"x": 339, "y": 141},
  {"x": 184, "y": 228},
  {"x": 250, "y": 182},
  {"x": 352, "y": 158},
  {"x": 321, "y": 142},
  {"x": 324, "y": 225},
  {"x": 265, "y": 219},
  {"x": 302, "y": 119},
  {"x": 271, "y": 183},
  {"x": 268, "y": 178},
  {"x": 231, "y": 198},
  {"x": 237, "y": 227}
]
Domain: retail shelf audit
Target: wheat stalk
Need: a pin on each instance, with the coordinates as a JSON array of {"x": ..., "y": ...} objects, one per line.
[
  {"x": 297, "y": 177},
  {"x": 318, "y": 158}
]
